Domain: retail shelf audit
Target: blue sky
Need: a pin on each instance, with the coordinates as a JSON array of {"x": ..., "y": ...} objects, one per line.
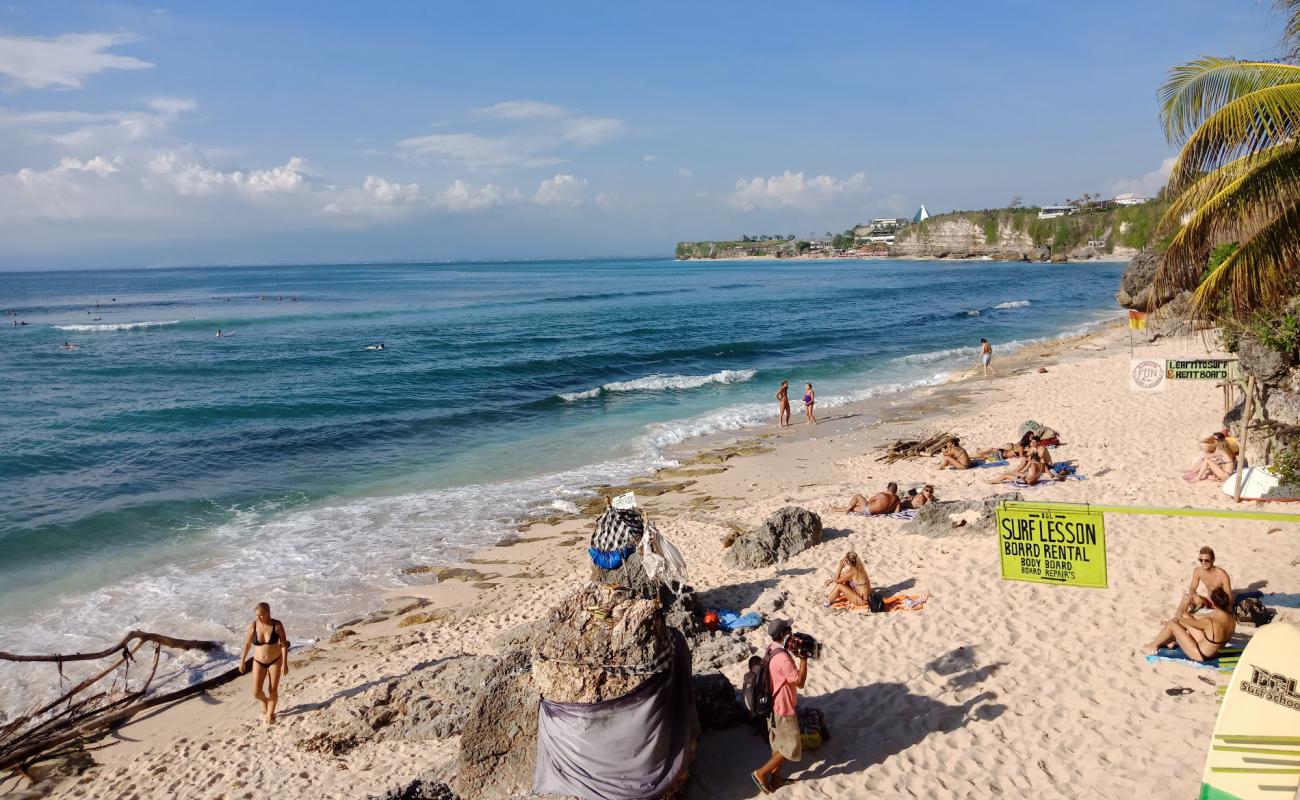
[{"x": 252, "y": 132}]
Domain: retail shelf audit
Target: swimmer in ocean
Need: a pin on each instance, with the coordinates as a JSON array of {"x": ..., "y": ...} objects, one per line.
[
  {"x": 379, "y": 346},
  {"x": 69, "y": 346}
]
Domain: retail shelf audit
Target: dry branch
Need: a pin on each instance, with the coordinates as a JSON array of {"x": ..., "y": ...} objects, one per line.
[
  {"x": 906, "y": 449},
  {"x": 41, "y": 734}
]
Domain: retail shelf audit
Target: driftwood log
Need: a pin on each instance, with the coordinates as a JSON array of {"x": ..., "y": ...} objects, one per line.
[
  {"x": 79, "y": 714},
  {"x": 906, "y": 449}
]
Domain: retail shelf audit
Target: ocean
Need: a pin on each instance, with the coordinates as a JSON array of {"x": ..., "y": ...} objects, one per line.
[{"x": 160, "y": 477}]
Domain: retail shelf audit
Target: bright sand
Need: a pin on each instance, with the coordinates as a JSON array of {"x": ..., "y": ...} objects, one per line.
[{"x": 995, "y": 689}]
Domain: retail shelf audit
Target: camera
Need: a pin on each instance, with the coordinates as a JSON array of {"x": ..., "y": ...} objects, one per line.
[{"x": 802, "y": 645}]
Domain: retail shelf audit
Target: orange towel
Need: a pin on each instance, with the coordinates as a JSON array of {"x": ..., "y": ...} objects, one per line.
[{"x": 897, "y": 602}]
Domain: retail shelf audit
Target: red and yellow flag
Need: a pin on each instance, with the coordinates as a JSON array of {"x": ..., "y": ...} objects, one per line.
[{"x": 1137, "y": 320}]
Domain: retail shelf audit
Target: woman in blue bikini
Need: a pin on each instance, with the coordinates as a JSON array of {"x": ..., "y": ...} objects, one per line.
[{"x": 270, "y": 658}]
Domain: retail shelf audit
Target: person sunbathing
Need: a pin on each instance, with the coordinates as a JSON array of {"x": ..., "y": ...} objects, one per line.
[
  {"x": 1218, "y": 462},
  {"x": 1029, "y": 473},
  {"x": 885, "y": 502},
  {"x": 955, "y": 456},
  {"x": 850, "y": 582},
  {"x": 1199, "y": 637},
  {"x": 915, "y": 499}
]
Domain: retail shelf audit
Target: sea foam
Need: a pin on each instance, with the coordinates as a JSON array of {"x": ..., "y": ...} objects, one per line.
[
  {"x": 1013, "y": 304},
  {"x": 658, "y": 383},
  {"x": 116, "y": 326}
]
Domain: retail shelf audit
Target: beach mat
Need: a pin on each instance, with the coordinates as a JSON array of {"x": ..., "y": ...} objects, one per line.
[
  {"x": 909, "y": 513},
  {"x": 1172, "y": 655},
  {"x": 979, "y": 463}
]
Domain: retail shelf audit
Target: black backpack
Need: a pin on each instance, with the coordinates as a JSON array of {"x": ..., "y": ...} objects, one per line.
[{"x": 756, "y": 691}]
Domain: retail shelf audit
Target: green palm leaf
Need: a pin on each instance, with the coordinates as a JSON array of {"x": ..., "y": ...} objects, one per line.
[
  {"x": 1248, "y": 197},
  {"x": 1196, "y": 90},
  {"x": 1263, "y": 273},
  {"x": 1243, "y": 126}
]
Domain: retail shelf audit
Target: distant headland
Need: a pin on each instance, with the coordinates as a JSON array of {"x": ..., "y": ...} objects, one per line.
[{"x": 1078, "y": 230}]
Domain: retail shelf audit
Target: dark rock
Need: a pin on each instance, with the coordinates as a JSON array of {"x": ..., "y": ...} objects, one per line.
[
  {"x": 1282, "y": 408},
  {"x": 958, "y": 517},
  {"x": 685, "y": 613},
  {"x": 719, "y": 649},
  {"x": 419, "y": 789},
  {"x": 498, "y": 745},
  {"x": 715, "y": 700},
  {"x": 788, "y": 531}
]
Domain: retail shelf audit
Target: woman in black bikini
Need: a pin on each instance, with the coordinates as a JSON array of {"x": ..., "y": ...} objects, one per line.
[
  {"x": 1199, "y": 637},
  {"x": 270, "y": 658}
]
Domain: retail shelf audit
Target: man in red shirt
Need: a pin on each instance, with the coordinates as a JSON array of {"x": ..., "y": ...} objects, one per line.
[{"x": 783, "y": 726}]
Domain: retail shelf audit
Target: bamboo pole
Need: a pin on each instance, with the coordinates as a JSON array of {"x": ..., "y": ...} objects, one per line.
[
  {"x": 1245, "y": 432},
  {"x": 1267, "y": 516}
]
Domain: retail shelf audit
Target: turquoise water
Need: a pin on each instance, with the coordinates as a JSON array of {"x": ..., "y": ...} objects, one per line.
[{"x": 158, "y": 476}]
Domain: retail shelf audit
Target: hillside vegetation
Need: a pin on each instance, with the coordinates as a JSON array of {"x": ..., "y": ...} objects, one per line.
[{"x": 1131, "y": 227}]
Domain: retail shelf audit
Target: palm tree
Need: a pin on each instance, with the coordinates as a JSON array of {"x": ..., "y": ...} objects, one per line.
[{"x": 1236, "y": 179}]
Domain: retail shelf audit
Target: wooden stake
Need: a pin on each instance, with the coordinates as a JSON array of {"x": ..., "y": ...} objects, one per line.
[{"x": 1245, "y": 431}]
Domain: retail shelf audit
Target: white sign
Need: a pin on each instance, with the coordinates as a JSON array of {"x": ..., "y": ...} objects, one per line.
[
  {"x": 625, "y": 502},
  {"x": 1146, "y": 375}
]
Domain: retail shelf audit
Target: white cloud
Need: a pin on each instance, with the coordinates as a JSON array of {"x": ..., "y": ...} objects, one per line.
[
  {"x": 291, "y": 177},
  {"x": 793, "y": 190},
  {"x": 684, "y": 172},
  {"x": 389, "y": 192},
  {"x": 461, "y": 196},
  {"x": 588, "y": 131},
  {"x": 472, "y": 151},
  {"x": 521, "y": 109},
  {"x": 648, "y": 158},
  {"x": 189, "y": 175},
  {"x": 1148, "y": 185},
  {"x": 562, "y": 190},
  {"x": 62, "y": 62},
  {"x": 94, "y": 132}
]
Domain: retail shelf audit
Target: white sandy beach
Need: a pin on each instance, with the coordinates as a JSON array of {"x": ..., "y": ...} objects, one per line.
[{"x": 995, "y": 689}]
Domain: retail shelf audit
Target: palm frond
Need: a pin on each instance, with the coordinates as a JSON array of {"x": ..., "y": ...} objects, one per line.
[
  {"x": 1194, "y": 91},
  {"x": 1291, "y": 35},
  {"x": 1246, "y": 125},
  {"x": 1264, "y": 272},
  {"x": 1256, "y": 190}
]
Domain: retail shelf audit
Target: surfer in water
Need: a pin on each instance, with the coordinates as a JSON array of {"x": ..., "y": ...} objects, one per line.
[
  {"x": 218, "y": 333},
  {"x": 783, "y": 398},
  {"x": 69, "y": 346},
  {"x": 379, "y": 346}
]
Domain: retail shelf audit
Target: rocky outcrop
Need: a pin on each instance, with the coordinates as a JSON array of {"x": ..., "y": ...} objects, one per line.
[
  {"x": 958, "y": 517},
  {"x": 1137, "y": 286},
  {"x": 419, "y": 789},
  {"x": 719, "y": 649},
  {"x": 788, "y": 531},
  {"x": 962, "y": 238},
  {"x": 591, "y": 630},
  {"x": 429, "y": 703},
  {"x": 498, "y": 746}
]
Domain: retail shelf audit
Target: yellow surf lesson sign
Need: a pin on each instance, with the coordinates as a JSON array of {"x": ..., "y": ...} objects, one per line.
[{"x": 1052, "y": 544}]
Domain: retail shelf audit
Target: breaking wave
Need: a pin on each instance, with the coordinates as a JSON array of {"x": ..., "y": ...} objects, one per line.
[
  {"x": 657, "y": 383},
  {"x": 116, "y": 326}
]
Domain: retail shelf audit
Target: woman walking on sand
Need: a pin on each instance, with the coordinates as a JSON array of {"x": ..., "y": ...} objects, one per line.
[
  {"x": 986, "y": 355},
  {"x": 783, "y": 397},
  {"x": 270, "y": 658},
  {"x": 809, "y": 400}
]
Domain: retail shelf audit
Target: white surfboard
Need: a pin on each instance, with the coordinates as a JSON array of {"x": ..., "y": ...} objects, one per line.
[
  {"x": 1255, "y": 752},
  {"x": 1255, "y": 483}
]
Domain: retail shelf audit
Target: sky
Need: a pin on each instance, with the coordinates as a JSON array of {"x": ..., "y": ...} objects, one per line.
[{"x": 301, "y": 132}]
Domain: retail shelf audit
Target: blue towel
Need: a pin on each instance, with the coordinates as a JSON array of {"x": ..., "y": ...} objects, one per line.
[
  {"x": 1173, "y": 655},
  {"x": 983, "y": 464},
  {"x": 731, "y": 621}
]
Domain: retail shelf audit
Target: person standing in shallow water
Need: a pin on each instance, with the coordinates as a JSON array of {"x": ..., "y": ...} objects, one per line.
[
  {"x": 986, "y": 356},
  {"x": 809, "y": 400},
  {"x": 783, "y": 397},
  {"x": 270, "y": 658}
]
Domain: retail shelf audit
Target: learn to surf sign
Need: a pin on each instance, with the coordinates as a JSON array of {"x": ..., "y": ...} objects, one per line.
[
  {"x": 1198, "y": 369},
  {"x": 1046, "y": 544}
]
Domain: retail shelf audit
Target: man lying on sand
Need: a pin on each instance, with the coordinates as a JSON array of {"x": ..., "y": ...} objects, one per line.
[
  {"x": 885, "y": 502},
  {"x": 850, "y": 582}
]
